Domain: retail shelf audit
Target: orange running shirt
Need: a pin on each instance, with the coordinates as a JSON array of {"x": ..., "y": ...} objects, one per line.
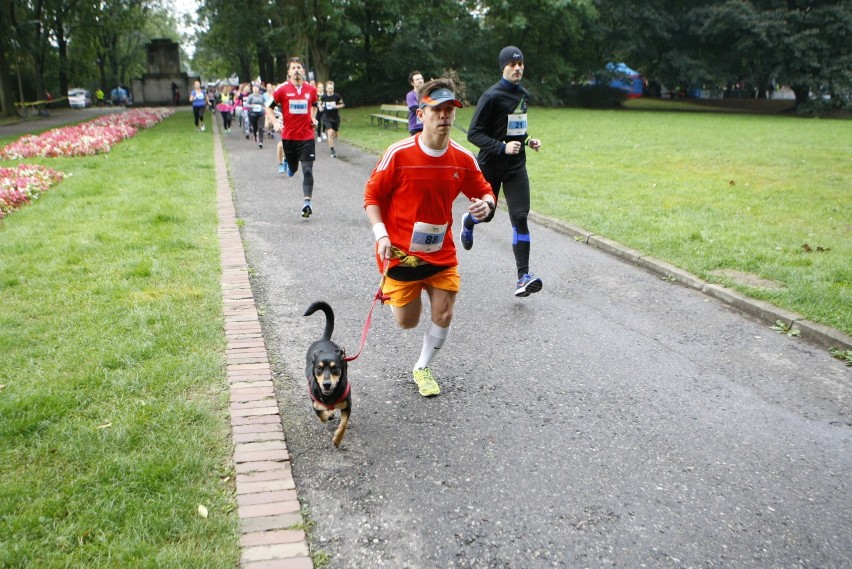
[{"x": 415, "y": 192}]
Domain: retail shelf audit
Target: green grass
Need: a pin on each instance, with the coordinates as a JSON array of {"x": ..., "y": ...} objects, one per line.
[
  {"x": 703, "y": 191},
  {"x": 113, "y": 410}
]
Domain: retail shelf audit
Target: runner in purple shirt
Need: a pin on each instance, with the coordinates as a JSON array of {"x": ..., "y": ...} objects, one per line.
[{"x": 415, "y": 79}]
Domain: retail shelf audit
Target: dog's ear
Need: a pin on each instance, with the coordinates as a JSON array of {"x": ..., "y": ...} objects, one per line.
[{"x": 311, "y": 365}]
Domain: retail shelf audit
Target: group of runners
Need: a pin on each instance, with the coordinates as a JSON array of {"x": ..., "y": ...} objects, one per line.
[
  {"x": 409, "y": 196},
  {"x": 292, "y": 108}
]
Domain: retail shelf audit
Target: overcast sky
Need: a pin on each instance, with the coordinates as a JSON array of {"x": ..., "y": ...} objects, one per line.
[{"x": 182, "y": 8}]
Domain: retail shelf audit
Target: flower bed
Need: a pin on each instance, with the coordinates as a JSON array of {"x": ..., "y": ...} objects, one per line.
[
  {"x": 22, "y": 184},
  {"x": 88, "y": 138}
]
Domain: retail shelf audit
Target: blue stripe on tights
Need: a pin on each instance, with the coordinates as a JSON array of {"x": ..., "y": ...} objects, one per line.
[{"x": 519, "y": 236}]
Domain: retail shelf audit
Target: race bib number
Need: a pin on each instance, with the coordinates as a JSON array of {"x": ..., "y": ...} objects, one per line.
[
  {"x": 330, "y": 105},
  {"x": 427, "y": 237},
  {"x": 298, "y": 107},
  {"x": 257, "y": 108},
  {"x": 517, "y": 125}
]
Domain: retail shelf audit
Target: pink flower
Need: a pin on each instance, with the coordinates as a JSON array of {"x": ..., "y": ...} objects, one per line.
[
  {"x": 22, "y": 184},
  {"x": 93, "y": 137}
]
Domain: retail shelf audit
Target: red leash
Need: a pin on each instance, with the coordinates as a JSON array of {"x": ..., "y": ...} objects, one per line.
[{"x": 378, "y": 297}]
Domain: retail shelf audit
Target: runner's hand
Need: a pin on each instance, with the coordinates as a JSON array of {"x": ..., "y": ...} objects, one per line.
[
  {"x": 535, "y": 144},
  {"x": 513, "y": 147},
  {"x": 383, "y": 247},
  {"x": 479, "y": 209}
]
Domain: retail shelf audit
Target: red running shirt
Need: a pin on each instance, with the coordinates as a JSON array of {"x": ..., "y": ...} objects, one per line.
[{"x": 296, "y": 108}]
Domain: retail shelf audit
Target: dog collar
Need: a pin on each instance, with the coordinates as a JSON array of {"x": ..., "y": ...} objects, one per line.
[{"x": 331, "y": 406}]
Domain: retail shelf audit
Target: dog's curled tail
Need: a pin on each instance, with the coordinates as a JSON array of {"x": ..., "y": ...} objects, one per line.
[{"x": 329, "y": 317}]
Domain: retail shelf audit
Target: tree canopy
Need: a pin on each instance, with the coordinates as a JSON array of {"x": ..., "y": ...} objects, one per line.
[
  {"x": 746, "y": 47},
  {"x": 48, "y": 46},
  {"x": 736, "y": 47}
]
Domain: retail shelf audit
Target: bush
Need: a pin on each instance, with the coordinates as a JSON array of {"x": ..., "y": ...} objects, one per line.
[
  {"x": 595, "y": 97},
  {"x": 362, "y": 92}
]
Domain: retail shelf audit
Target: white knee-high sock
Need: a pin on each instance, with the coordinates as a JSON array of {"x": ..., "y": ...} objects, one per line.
[{"x": 432, "y": 341}]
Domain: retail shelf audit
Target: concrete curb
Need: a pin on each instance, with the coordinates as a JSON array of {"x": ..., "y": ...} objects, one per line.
[
  {"x": 823, "y": 336},
  {"x": 267, "y": 503}
]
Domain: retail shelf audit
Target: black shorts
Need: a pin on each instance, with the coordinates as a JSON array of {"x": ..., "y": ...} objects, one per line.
[
  {"x": 299, "y": 150},
  {"x": 331, "y": 123}
]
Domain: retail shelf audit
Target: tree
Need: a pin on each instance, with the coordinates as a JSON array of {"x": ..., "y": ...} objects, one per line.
[
  {"x": 802, "y": 43},
  {"x": 745, "y": 34},
  {"x": 554, "y": 36},
  {"x": 369, "y": 46},
  {"x": 7, "y": 96},
  {"x": 816, "y": 51}
]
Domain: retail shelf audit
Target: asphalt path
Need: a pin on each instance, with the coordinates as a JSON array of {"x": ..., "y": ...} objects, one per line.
[{"x": 614, "y": 418}]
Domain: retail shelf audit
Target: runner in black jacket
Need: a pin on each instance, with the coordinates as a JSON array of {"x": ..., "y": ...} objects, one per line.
[{"x": 499, "y": 129}]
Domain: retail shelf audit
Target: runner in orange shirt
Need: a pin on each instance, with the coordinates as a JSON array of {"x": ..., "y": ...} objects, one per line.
[{"x": 409, "y": 202}]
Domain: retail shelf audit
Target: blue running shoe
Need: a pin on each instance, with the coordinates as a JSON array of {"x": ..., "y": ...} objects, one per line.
[
  {"x": 466, "y": 235},
  {"x": 287, "y": 170},
  {"x": 306, "y": 210},
  {"x": 528, "y": 284},
  {"x": 282, "y": 168}
]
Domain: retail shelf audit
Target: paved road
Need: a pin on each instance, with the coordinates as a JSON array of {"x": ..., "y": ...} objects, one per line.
[{"x": 612, "y": 419}]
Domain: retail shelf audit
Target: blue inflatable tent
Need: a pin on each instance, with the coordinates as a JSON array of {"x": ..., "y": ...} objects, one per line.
[{"x": 626, "y": 79}]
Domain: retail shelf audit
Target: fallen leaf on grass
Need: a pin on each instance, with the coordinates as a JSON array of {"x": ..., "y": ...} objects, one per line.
[
  {"x": 202, "y": 511},
  {"x": 807, "y": 248},
  {"x": 104, "y": 426}
]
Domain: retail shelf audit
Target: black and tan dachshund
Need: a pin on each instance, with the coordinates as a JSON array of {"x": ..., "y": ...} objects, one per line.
[{"x": 328, "y": 383}]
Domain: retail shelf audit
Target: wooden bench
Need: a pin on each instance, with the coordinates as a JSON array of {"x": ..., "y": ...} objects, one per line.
[{"x": 390, "y": 115}]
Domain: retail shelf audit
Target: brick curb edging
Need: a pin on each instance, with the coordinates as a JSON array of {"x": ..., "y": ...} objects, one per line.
[
  {"x": 817, "y": 333},
  {"x": 267, "y": 503}
]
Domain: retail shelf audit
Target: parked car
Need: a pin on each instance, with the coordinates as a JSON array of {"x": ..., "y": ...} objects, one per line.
[{"x": 79, "y": 98}]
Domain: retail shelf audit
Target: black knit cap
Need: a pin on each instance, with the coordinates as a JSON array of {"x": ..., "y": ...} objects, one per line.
[{"x": 509, "y": 53}]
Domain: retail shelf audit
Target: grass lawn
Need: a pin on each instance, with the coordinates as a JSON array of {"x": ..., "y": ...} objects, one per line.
[
  {"x": 709, "y": 192},
  {"x": 113, "y": 397}
]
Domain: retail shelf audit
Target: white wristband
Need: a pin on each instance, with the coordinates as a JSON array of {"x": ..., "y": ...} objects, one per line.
[{"x": 380, "y": 231}]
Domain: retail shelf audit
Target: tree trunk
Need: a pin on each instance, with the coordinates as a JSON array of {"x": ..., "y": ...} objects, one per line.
[
  {"x": 762, "y": 87},
  {"x": 802, "y": 94},
  {"x": 319, "y": 61},
  {"x": 265, "y": 65},
  {"x": 62, "y": 44},
  {"x": 7, "y": 93},
  {"x": 102, "y": 72},
  {"x": 245, "y": 69}
]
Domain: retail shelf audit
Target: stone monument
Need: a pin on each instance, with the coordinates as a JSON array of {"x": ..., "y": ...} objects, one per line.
[{"x": 157, "y": 86}]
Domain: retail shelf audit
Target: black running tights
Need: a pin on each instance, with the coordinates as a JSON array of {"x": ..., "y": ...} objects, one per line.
[{"x": 516, "y": 187}]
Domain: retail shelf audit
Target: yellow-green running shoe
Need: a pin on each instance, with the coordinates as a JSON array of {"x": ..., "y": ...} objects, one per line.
[{"x": 427, "y": 384}]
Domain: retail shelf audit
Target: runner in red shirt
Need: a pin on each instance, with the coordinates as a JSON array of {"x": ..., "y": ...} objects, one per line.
[
  {"x": 297, "y": 99},
  {"x": 409, "y": 202}
]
